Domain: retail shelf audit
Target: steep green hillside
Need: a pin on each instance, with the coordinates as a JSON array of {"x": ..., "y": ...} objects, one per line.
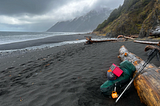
[{"x": 133, "y": 17}]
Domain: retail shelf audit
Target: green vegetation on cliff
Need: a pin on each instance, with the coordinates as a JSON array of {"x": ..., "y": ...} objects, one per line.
[{"x": 133, "y": 17}]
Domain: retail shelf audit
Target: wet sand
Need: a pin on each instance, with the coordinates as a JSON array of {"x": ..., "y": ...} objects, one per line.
[{"x": 68, "y": 75}]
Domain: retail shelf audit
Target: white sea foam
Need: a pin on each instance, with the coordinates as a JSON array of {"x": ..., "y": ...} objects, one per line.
[{"x": 12, "y": 37}]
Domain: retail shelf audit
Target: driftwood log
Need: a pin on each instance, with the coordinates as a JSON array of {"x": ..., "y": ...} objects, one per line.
[
  {"x": 150, "y": 47},
  {"x": 148, "y": 82},
  {"x": 126, "y": 37},
  {"x": 90, "y": 41},
  {"x": 147, "y": 42}
]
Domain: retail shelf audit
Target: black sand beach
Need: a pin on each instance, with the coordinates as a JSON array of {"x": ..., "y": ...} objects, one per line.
[{"x": 68, "y": 75}]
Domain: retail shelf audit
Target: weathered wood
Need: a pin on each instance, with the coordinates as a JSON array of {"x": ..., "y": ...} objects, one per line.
[
  {"x": 150, "y": 47},
  {"x": 90, "y": 41},
  {"x": 147, "y": 42},
  {"x": 148, "y": 82},
  {"x": 126, "y": 37}
]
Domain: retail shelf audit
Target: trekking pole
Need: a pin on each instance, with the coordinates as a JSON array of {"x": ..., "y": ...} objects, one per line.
[{"x": 153, "y": 53}]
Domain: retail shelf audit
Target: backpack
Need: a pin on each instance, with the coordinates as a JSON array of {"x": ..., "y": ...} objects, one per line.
[{"x": 128, "y": 70}]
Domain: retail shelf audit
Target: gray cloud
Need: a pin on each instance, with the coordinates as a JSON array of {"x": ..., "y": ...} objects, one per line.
[
  {"x": 39, "y": 15},
  {"x": 108, "y": 3},
  {"x": 15, "y": 7}
]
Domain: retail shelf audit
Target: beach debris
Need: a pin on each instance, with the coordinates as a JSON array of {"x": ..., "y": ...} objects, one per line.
[
  {"x": 150, "y": 47},
  {"x": 120, "y": 36},
  {"x": 90, "y": 41},
  {"x": 21, "y": 99},
  {"x": 127, "y": 37},
  {"x": 47, "y": 65},
  {"x": 147, "y": 42}
]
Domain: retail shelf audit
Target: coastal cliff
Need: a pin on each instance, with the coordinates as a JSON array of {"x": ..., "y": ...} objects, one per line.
[{"x": 133, "y": 17}]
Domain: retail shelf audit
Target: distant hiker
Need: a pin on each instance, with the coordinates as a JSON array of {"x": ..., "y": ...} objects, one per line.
[{"x": 89, "y": 41}]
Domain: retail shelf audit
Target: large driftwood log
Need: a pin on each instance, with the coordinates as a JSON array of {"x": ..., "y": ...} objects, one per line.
[
  {"x": 150, "y": 47},
  {"x": 148, "y": 82},
  {"x": 90, "y": 41},
  {"x": 147, "y": 42}
]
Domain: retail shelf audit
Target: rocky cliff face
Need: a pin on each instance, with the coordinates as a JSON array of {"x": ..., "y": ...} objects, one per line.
[
  {"x": 133, "y": 17},
  {"x": 84, "y": 23},
  {"x": 153, "y": 19}
]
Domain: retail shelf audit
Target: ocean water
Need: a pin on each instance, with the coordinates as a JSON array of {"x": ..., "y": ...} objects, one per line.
[
  {"x": 14, "y": 43},
  {"x": 18, "y": 42},
  {"x": 16, "y": 37},
  {"x": 12, "y": 37}
]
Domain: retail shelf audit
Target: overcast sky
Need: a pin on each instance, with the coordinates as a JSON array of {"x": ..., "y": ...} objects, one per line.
[{"x": 40, "y": 15}]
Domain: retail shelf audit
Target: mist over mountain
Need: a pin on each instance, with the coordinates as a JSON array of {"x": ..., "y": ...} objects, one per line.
[{"x": 86, "y": 23}]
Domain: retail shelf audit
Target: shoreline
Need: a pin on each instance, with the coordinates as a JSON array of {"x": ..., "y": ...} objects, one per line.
[
  {"x": 42, "y": 41},
  {"x": 18, "y": 48}
]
